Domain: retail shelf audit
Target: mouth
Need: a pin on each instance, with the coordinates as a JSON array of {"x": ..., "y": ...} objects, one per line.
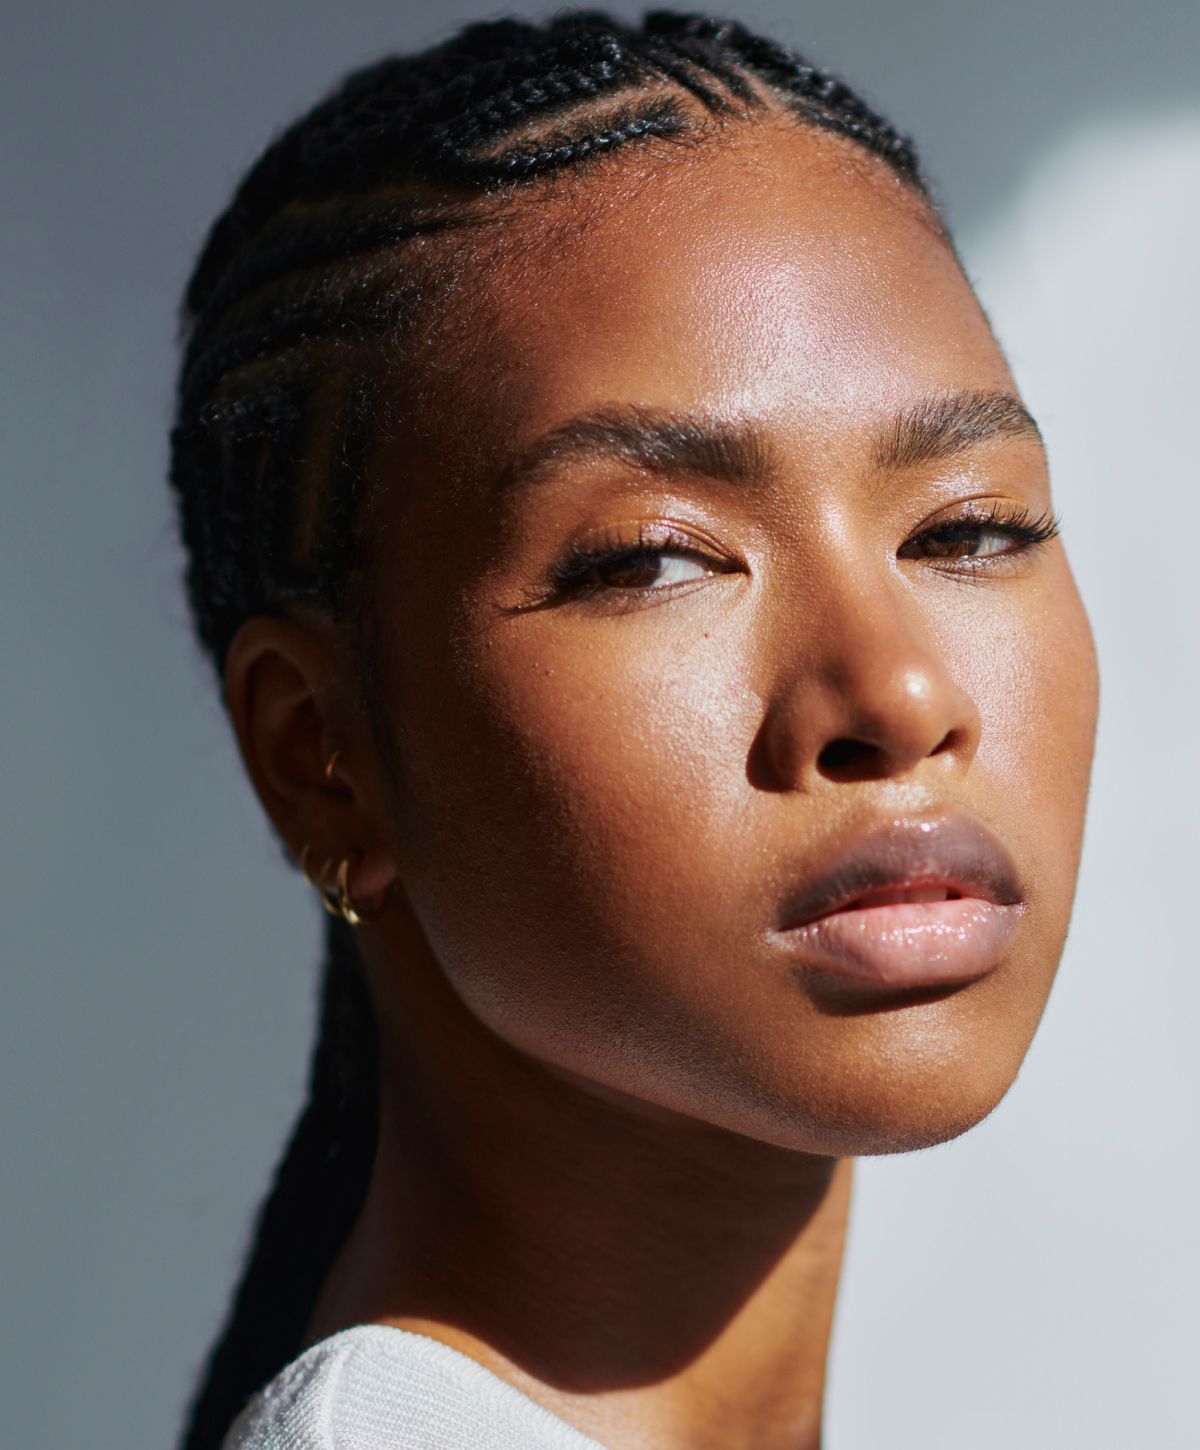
[{"x": 918, "y": 903}]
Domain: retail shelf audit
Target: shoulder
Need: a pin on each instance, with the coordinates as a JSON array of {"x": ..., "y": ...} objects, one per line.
[{"x": 377, "y": 1388}]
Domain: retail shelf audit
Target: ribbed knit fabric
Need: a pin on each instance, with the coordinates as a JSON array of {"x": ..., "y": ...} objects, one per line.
[{"x": 378, "y": 1388}]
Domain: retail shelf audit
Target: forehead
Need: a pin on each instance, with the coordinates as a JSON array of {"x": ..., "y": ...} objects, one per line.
[{"x": 778, "y": 274}]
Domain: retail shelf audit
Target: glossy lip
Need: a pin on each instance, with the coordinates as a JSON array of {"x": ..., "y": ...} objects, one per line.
[{"x": 908, "y": 944}]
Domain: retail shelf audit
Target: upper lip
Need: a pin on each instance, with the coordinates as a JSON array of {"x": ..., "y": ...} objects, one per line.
[{"x": 953, "y": 850}]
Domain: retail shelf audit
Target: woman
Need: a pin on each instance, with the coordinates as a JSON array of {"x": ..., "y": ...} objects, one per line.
[{"x": 635, "y": 586}]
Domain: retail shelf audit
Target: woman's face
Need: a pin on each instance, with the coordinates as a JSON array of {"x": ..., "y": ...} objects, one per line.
[{"x": 704, "y": 610}]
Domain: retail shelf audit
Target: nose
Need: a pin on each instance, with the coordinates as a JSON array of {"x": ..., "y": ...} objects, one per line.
[{"x": 867, "y": 695}]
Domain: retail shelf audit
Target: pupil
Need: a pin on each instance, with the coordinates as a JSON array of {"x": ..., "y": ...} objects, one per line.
[
  {"x": 631, "y": 572},
  {"x": 964, "y": 539}
]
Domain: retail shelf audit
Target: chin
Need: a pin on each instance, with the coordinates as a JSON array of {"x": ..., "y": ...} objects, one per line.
[
  {"x": 892, "y": 1077},
  {"x": 905, "y": 1111},
  {"x": 908, "y": 1132},
  {"x": 887, "y": 1086}
]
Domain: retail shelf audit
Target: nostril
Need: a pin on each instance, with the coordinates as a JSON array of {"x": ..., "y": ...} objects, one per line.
[
  {"x": 845, "y": 754},
  {"x": 950, "y": 741},
  {"x": 849, "y": 758}
]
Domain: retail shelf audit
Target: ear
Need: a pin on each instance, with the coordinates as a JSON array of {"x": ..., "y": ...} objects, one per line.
[{"x": 293, "y": 706}]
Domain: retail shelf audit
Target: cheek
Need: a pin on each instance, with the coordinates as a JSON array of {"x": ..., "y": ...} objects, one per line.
[
  {"x": 640, "y": 740},
  {"x": 608, "y": 767},
  {"x": 1031, "y": 671}
]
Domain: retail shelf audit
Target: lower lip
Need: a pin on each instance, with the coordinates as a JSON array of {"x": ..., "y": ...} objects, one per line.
[{"x": 908, "y": 944}]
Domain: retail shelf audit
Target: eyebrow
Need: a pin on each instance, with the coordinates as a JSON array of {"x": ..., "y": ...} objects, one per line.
[
  {"x": 738, "y": 450},
  {"x": 732, "y": 450},
  {"x": 942, "y": 427}
]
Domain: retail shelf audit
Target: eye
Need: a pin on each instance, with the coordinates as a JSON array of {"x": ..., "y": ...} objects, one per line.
[
  {"x": 644, "y": 569},
  {"x": 654, "y": 560},
  {"x": 979, "y": 537}
]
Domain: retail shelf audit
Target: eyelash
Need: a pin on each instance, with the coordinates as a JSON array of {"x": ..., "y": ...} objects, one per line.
[{"x": 1026, "y": 530}]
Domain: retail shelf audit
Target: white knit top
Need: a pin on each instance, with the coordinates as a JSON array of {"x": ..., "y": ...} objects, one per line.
[{"x": 378, "y": 1388}]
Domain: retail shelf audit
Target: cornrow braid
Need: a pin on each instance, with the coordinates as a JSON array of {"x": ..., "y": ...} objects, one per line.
[
  {"x": 301, "y": 299},
  {"x": 560, "y": 149}
]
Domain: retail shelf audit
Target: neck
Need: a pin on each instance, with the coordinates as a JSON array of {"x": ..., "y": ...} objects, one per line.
[{"x": 646, "y": 1277}]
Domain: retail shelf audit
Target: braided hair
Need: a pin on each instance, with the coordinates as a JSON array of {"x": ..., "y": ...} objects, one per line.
[{"x": 303, "y": 297}]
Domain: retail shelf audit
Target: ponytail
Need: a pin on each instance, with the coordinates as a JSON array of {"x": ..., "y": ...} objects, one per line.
[{"x": 319, "y": 1188}]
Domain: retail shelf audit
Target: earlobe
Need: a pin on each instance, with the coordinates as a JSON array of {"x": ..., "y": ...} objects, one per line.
[{"x": 310, "y": 754}]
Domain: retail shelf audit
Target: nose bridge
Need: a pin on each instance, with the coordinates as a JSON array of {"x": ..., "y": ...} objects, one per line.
[
  {"x": 880, "y": 659},
  {"x": 867, "y": 691}
]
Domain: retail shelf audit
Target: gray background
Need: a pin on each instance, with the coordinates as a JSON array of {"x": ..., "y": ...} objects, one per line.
[{"x": 1031, "y": 1284}]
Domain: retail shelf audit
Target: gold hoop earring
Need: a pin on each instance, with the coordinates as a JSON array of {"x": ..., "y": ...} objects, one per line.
[
  {"x": 332, "y": 907},
  {"x": 358, "y": 914},
  {"x": 330, "y": 764},
  {"x": 345, "y": 905}
]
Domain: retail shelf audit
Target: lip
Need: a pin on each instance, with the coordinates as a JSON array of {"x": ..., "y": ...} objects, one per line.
[{"x": 833, "y": 924}]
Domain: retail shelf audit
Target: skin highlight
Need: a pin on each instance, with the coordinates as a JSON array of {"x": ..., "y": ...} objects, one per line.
[{"x": 616, "y": 1119}]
